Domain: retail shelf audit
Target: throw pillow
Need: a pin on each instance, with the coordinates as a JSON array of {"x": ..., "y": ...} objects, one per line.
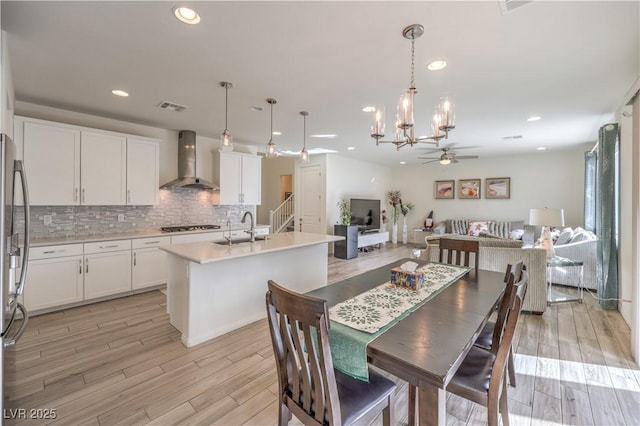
[
  {"x": 475, "y": 228},
  {"x": 459, "y": 226},
  {"x": 582, "y": 236},
  {"x": 501, "y": 228},
  {"x": 516, "y": 234},
  {"x": 564, "y": 237}
]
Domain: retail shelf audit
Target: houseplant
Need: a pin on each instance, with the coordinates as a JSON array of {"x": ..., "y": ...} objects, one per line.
[
  {"x": 345, "y": 213},
  {"x": 395, "y": 199}
]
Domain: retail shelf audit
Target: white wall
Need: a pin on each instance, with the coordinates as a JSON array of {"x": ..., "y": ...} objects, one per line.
[
  {"x": 348, "y": 178},
  {"x": 553, "y": 179}
]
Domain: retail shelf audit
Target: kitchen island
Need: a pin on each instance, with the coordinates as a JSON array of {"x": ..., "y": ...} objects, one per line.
[{"x": 213, "y": 289}]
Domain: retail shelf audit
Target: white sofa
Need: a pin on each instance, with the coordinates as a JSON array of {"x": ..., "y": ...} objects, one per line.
[{"x": 584, "y": 251}]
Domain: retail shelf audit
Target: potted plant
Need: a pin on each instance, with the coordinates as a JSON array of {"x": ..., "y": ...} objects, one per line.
[
  {"x": 405, "y": 209},
  {"x": 395, "y": 199},
  {"x": 345, "y": 213},
  {"x": 347, "y": 248}
]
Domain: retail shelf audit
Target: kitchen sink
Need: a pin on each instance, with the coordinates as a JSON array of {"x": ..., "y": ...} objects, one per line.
[{"x": 240, "y": 240}]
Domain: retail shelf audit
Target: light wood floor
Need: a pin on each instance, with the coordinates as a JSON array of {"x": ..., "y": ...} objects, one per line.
[{"x": 120, "y": 362}]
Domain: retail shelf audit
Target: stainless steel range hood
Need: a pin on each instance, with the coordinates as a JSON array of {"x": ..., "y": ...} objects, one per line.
[{"x": 187, "y": 165}]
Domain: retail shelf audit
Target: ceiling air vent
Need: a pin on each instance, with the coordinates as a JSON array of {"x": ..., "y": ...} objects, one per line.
[
  {"x": 171, "y": 106},
  {"x": 507, "y": 6},
  {"x": 512, "y": 138}
]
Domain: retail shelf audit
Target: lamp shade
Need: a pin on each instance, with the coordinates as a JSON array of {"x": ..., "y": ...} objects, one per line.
[{"x": 546, "y": 217}]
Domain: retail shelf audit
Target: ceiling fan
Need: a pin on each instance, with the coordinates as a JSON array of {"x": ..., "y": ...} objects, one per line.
[{"x": 447, "y": 156}]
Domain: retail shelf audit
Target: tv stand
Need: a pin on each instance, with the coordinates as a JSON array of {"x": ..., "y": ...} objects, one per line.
[{"x": 372, "y": 238}]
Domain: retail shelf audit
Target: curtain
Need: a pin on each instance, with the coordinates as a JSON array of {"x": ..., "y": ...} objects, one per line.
[{"x": 605, "y": 216}]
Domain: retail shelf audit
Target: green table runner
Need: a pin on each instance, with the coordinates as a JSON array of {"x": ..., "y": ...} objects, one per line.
[{"x": 373, "y": 312}]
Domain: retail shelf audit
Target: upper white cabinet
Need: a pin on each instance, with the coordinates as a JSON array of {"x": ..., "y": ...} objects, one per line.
[
  {"x": 52, "y": 163},
  {"x": 103, "y": 171},
  {"x": 142, "y": 171},
  {"x": 239, "y": 177},
  {"x": 71, "y": 165}
]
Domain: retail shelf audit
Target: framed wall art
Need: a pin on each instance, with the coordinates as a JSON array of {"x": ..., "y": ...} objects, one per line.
[
  {"x": 444, "y": 189},
  {"x": 469, "y": 188},
  {"x": 497, "y": 188}
]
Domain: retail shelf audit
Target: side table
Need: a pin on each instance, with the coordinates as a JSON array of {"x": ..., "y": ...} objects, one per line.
[{"x": 554, "y": 296}]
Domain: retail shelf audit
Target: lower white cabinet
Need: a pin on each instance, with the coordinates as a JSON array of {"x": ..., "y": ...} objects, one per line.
[
  {"x": 107, "y": 268},
  {"x": 55, "y": 277},
  {"x": 149, "y": 262}
]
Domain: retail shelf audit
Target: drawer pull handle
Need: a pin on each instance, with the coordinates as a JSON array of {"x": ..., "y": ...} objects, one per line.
[
  {"x": 86, "y": 264},
  {"x": 48, "y": 252},
  {"x": 80, "y": 263},
  {"x": 111, "y": 246},
  {"x": 134, "y": 259},
  {"x": 83, "y": 194},
  {"x": 152, "y": 242}
]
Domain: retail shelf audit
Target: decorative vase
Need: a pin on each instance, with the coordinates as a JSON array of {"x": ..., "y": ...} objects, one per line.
[
  {"x": 394, "y": 233},
  {"x": 404, "y": 231}
]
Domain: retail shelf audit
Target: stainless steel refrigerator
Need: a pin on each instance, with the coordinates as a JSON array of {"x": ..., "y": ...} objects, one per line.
[{"x": 14, "y": 247}]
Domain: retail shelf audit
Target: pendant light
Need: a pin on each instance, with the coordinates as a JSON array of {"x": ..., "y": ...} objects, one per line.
[
  {"x": 226, "y": 140},
  {"x": 271, "y": 146},
  {"x": 304, "y": 154}
]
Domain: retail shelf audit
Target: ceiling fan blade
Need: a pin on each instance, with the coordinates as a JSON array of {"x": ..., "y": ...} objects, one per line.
[
  {"x": 454, "y": 160},
  {"x": 430, "y": 150},
  {"x": 466, "y": 157},
  {"x": 431, "y": 161},
  {"x": 428, "y": 158}
]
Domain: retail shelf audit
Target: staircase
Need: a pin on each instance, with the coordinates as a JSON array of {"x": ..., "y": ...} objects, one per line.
[{"x": 281, "y": 219}]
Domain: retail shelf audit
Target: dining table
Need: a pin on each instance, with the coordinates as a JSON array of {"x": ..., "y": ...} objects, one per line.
[{"x": 426, "y": 347}]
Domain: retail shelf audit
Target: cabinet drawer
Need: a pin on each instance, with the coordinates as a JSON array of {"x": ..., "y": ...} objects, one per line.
[
  {"x": 49, "y": 252},
  {"x": 192, "y": 238},
  {"x": 139, "y": 243},
  {"x": 107, "y": 246}
]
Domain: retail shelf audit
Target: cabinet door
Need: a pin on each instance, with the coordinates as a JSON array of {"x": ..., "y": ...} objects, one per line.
[
  {"x": 230, "y": 178},
  {"x": 251, "y": 180},
  {"x": 142, "y": 172},
  {"x": 107, "y": 273},
  {"x": 149, "y": 268},
  {"x": 104, "y": 169},
  {"x": 53, "y": 282},
  {"x": 52, "y": 164}
]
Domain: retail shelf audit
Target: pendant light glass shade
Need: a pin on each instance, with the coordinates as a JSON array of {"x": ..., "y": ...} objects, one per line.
[
  {"x": 448, "y": 114},
  {"x": 377, "y": 127},
  {"x": 304, "y": 154},
  {"x": 271, "y": 146},
  {"x": 226, "y": 140}
]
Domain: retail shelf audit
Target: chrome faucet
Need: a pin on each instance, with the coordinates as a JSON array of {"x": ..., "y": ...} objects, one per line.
[
  {"x": 229, "y": 237},
  {"x": 252, "y": 230}
]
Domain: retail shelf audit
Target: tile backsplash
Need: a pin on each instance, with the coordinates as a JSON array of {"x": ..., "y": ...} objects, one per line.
[{"x": 181, "y": 207}]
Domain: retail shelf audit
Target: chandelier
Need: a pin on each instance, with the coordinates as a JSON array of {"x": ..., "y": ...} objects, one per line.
[
  {"x": 271, "y": 151},
  {"x": 442, "y": 122}
]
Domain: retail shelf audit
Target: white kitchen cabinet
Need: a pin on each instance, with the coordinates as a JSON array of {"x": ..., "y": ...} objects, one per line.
[
  {"x": 107, "y": 268},
  {"x": 193, "y": 238},
  {"x": 52, "y": 162},
  {"x": 149, "y": 262},
  {"x": 239, "y": 176},
  {"x": 55, "y": 277},
  {"x": 103, "y": 174},
  {"x": 142, "y": 172}
]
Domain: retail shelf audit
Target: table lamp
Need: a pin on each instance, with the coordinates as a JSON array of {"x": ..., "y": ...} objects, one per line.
[{"x": 546, "y": 218}]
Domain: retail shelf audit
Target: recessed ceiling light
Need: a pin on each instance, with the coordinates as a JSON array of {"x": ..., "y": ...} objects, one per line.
[
  {"x": 541, "y": 148},
  {"x": 368, "y": 108},
  {"x": 276, "y": 133},
  {"x": 186, "y": 15},
  {"x": 351, "y": 148},
  {"x": 436, "y": 65},
  {"x": 534, "y": 118},
  {"x": 119, "y": 92},
  {"x": 403, "y": 162},
  {"x": 324, "y": 136},
  {"x": 255, "y": 108}
]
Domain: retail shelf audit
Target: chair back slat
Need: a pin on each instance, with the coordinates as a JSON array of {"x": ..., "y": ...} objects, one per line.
[
  {"x": 459, "y": 252},
  {"x": 299, "y": 331},
  {"x": 512, "y": 276},
  {"x": 504, "y": 344}
]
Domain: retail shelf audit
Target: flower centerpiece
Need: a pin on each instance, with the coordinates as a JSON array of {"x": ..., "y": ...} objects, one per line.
[
  {"x": 405, "y": 209},
  {"x": 345, "y": 213},
  {"x": 395, "y": 200}
]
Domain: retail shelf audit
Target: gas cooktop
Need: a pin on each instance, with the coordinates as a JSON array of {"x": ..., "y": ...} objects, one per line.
[{"x": 186, "y": 228}]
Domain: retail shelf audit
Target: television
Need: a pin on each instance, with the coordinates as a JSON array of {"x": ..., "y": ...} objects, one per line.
[{"x": 366, "y": 214}]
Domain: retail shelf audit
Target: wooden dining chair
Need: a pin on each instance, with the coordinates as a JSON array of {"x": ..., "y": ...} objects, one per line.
[
  {"x": 481, "y": 377},
  {"x": 459, "y": 252},
  {"x": 489, "y": 336},
  {"x": 308, "y": 385}
]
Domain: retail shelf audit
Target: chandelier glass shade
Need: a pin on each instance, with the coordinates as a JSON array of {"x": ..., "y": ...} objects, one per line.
[
  {"x": 226, "y": 140},
  {"x": 443, "y": 119},
  {"x": 271, "y": 146},
  {"x": 304, "y": 154}
]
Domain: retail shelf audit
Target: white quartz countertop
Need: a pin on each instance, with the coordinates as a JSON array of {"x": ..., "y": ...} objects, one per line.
[
  {"x": 207, "y": 252},
  {"x": 45, "y": 241}
]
